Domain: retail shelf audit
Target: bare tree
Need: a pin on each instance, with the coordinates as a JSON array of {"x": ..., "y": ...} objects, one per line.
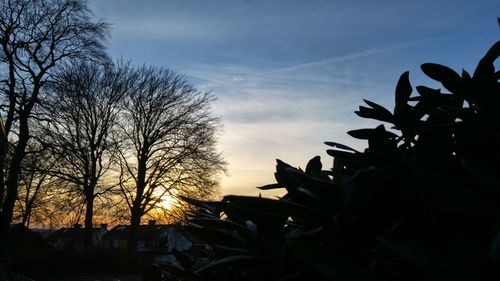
[
  {"x": 170, "y": 144},
  {"x": 45, "y": 199},
  {"x": 35, "y": 37},
  {"x": 35, "y": 183},
  {"x": 82, "y": 111},
  {"x": 65, "y": 207}
]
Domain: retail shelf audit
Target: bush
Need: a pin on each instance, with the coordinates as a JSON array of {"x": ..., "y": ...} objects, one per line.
[{"x": 420, "y": 203}]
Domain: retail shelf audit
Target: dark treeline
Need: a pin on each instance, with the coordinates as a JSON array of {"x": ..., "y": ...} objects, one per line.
[{"x": 86, "y": 137}]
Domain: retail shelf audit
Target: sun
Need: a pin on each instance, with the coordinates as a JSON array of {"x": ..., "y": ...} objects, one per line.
[{"x": 167, "y": 202}]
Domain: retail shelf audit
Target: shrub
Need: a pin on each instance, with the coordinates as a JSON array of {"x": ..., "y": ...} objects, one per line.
[{"x": 420, "y": 203}]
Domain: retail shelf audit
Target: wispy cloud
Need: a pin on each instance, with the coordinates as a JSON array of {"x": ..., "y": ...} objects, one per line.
[
  {"x": 352, "y": 56},
  {"x": 283, "y": 112},
  {"x": 166, "y": 29},
  {"x": 288, "y": 74}
]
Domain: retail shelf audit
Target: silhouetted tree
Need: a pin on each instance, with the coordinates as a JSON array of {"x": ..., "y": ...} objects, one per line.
[
  {"x": 43, "y": 198},
  {"x": 170, "y": 143},
  {"x": 35, "y": 37},
  {"x": 81, "y": 113},
  {"x": 35, "y": 182}
]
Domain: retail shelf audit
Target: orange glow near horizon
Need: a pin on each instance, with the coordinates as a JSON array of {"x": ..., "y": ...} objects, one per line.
[{"x": 167, "y": 203}]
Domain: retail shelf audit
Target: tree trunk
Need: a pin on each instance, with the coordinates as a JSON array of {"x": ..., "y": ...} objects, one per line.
[
  {"x": 135, "y": 221},
  {"x": 88, "y": 231},
  {"x": 136, "y": 210},
  {"x": 12, "y": 183},
  {"x": 26, "y": 216}
]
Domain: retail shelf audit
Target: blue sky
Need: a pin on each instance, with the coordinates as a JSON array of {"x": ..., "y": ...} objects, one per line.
[{"x": 288, "y": 74}]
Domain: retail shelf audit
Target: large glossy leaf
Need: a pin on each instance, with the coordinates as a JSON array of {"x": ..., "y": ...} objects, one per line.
[
  {"x": 215, "y": 237},
  {"x": 362, "y": 134},
  {"x": 447, "y": 76},
  {"x": 405, "y": 119},
  {"x": 403, "y": 90},
  {"x": 434, "y": 98},
  {"x": 435, "y": 142},
  {"x": 381, "y": 141},
  {"x": 283, "y": 178},
  {"x": 357, "y": 158},
  {"x": 465, "y": 75},
  {"x": 218, "y": 224},
  {"x": 270, "y": 186},
  {"x": 270, "y": 207},
  {"x": 377, "y": 106},
  {"x": 366, "y": 134},
  {"x": 322, "y": 188},
  {"x": 376, "y": 112},
  {"x": 431, "y": 99},
  {"x": 486, "y": 68},
  {"x": 429, "y": 92},
  {"x": 339, "y": 145},
  {"x": 370, "y": 113},
  {"x": 314, "y": 166}
]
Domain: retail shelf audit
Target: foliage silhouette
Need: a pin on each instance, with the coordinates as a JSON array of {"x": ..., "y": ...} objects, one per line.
[{"x": 420, "y": 203}]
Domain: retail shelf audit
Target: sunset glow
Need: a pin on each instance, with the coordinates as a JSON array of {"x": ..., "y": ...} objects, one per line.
[
  {"x": 249, "y": 140},
  {"x": 288, "y": 75},
  {"x": 167, "y": 202}
]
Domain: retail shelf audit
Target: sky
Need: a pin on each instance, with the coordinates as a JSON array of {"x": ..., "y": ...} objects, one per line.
[{"x": 289, "y": 74}]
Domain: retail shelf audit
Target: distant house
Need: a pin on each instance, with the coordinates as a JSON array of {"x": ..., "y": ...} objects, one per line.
[
  {"x": 44, "y": 232},
  {"x": 155, "y": 240},
  {"x": 73, "y": 238}
]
